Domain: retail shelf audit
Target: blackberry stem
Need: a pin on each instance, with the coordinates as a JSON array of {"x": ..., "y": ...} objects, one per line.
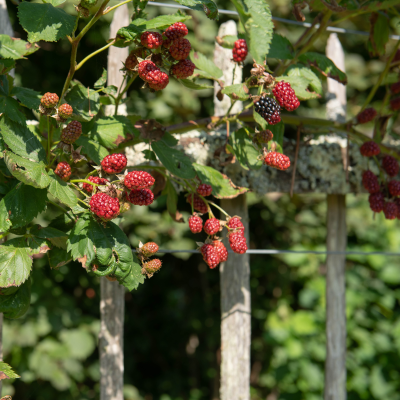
[
  {"x": 84, "y": 181},
  {"x": 57, "y": 206}
]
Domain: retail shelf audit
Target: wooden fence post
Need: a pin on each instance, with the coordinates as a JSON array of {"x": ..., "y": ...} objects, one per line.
[
  {"x": 335, "y": 364},
  {"x": 235, "y": 273},
  {"x": 112, "y": 302}
]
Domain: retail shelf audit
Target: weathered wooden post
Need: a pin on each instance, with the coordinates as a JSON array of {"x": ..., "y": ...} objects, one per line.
[
  {"x": 235, "y": 273},
  {"x": 112, "y": 302},
  {"x": 335, "y": 364}
]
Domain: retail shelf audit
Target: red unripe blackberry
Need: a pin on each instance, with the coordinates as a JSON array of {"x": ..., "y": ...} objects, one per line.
[
  {"x": 49, "y": 100},
  {"x": 210, "y": 255},
  {"x": 239, "y": 51},
  {"x": 238, "y": 242},
  {"x": 370, "y": 182},
  {"x": 395, "y": 88},
  {"x": 211, "y": 226},
  {"x": 167, "y": 43},
  {"x": 149, "y": 249},
  {"x": 369, "y": 149},
  {"x": 152, "y": 266},
  {"x": 390, "y": 210},
  {"x": 63, "y": 170},
  {"x": 114, "y": 163},
  {"x": 95, "y": 179},
  {"x": 376, "y": 202},
  {"x": 104, "y": 206},
  {"x": 236, "y": 224},
  {"x": 264, "y": 136},
  {"x": 204, "y": 190},
  {"x": 390, "y": 165},
  {"x": 158, "y": 80},
  {"x": 396, "y": 56},
  {"x": 65, "y": 111},
  {"x": 195, "y": 224},
  {"x": 176, "y": 31},
  {"x": 151, "y": 40},
  {"x": 198, "y": 203},
  {"x": 366, "y": 116},
  {"x": 180, "y": 49},
  {"x": 394, "y": 188},
  {"x": 141, "y": 197},
  {"x": 221, "y": 249},
  {"x": 277, "y": 160},
  {"x": 71, "y": 132},
  {"x": 131, "y": 62},
  {"x": 183, "y": 69},
  {"x": 138, "y": 180},
  {"x": 286, "y": 96},
  {"x": 395, "y": 104},
  {"x": 145, "y": 67}
]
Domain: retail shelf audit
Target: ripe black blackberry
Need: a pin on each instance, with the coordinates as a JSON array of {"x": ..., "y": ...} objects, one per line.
[{"x": 268, "y": 108}]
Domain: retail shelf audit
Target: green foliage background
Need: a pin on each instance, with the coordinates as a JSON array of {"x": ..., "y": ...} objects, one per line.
[{"x": 172, "y": 322}]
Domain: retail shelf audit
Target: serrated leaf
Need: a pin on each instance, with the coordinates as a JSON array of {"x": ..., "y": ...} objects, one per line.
[
  {"x": 61, "y": 191},
  {"x": 5, "y": 223},
  {"x": 111, "y": 90},
  {"x": 256, "y": 18},
  {"x": 15, "y": 262},
  {"x": 379, "y": 34},
  {"x": 101, "y": 81},
  {"x": 280, "y": 48},
  {"x": 223, "y": 188},
  {"x": 28, "y": 97},
  {"x": 28, "y": 172},
  {"x": 138, "y": 26},
  {"x": 21, "y": 140},
  {"x": 15, "y": 306},
  {"x": 174, "y": 160},
  {"x": 172, "y": 198},
  {"x": 6, "y": 65},
  {"x": 55, "y": 3},
  {"x": 95, "y": 151},
  {"x": 15, "y": 48},
  {"x": 112, "y": 131},
  {"x": 44, "y": 22},
  {"x": 260, "y": 120},
  {"x": 244, "y": 150},
  {"x": 20, "y": 209},
  {"x": 8, "y": 105},
  {"x": 300, "y": 85},
  {"x": 208, "y": 6},
  {"x": 54, "y": 236},
  {"x": 206, "y": 65},
  {"x": 58, "y": 257},
  {"x": 84, "y": 101},
  {"x": 236, "y": 92},
  {"x": 300, "y": 70},
  {"x": 193, "y": 85},
  {"x": 324, "y": 65},
  {"x": 7, "y": 371}
]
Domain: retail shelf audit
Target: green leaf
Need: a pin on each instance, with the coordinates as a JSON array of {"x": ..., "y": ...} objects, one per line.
[
  {"x": 227, "y": 41},
  {"x": 28, "y": 172},
  {"x": 20, "y": 210},
  {"x": 15, "y": 262},
  {"x": 244, "y": 149},
  {"x": 256, "y": 18},
  {"x": 21, "y": 140},
  {"x": 85, "y": 102},
  {"x": 324, "y": 65},
  {"x": 300, "y": 85},
  {"x": 15, "y": 48},
  {"x": 58, "y": 257},
  {"x": 54, "y": 236},
  {"x": 95, "y": 151},
  {"x": 8, "y": 371},
  {"x": 8, "y": 105},
  {"x": 112, "y": 131},
  {"x": 280, "y": 48},
  {"x": 28, "y": 97},
  {"x": 61, "y": 191},
  {"x": 206, "y": 65},
  {"x": 101, "y": 81},
  {"x": 45, "y": 22},
  {"x": 54, "y": 3},
  {"x": 314, "y": 85},
  {"x": 6, "y": 65},
  {"x": 15, "y": 306},
  {"x": 278, "y": 131},
  {"x": 223, "y": 188},
  {"x": 208, "y": 6},
  {"x": 5, "y": 222},
  {"x": 139, "y": 25},
  {"x": 172, "y": 198},
  {"x": 379, "y": 34},
  {"x": 174, "y": 160},
  {"x": 236, "y": 92},
  {"x": 193, "y": 85},
  {"x": 260, "y": 120}
]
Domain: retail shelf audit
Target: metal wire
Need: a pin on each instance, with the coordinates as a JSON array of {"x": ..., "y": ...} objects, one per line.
[
  {"x": 286, "y": 21},
  {"x": 273, "y": 252}
]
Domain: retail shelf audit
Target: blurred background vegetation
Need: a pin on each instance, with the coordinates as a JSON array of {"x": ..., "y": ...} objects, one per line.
[{"x": 172, "y": 321}]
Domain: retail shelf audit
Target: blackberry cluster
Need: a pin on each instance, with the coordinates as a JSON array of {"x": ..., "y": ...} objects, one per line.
[
  {"x": 150, "y": 267},
  {"x": 151, "y": 74},
  {"x": 141, "y": 197},
  {"x": 370, "y": 182},
  {"x": 395, "y": 88},
  {"x": 210, "y": 255},
  {"x": 180, "y": 49},
  {"x": 104, "y": 206},
  {"x": 138, "y": 180},
  {"x": 211, "y": 226},
  {"x": 151, "y": 40},
  {"x": 286, "y": 96},
  {"x": 149, "y": 249},
  {"x": 176, "y": 31},
  {"x": 49, "y": 100},
  {"x": 366, "y": 115},
  {"x": 64, "y": 111},
  {"x": 395, "y": 104},
  {"x": 63, "y": 170},
  {"x": 87, "y": 187},
  {"x": 198, "y": 203},
  {"x": 277, "y": 160},
  {"x": 71, "y": 132},
  {"x": 183, "y": 69},
  {"x": 390, "y": 165},
  {"x": 369, "y": 149},
  {"x": 195, "y": 224},
  {"x": 269, "y": 109},
  {"x": 239, "y": 52},
  {"x": 114, "y": 163},
  {"x": 264, "y": 136},
  {"x": 204, "y": 190}
]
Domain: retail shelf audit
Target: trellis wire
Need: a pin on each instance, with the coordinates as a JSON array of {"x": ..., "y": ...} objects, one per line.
[
  {"x": 273, "y": 252},
  {"x": 286, "y": 21}
]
